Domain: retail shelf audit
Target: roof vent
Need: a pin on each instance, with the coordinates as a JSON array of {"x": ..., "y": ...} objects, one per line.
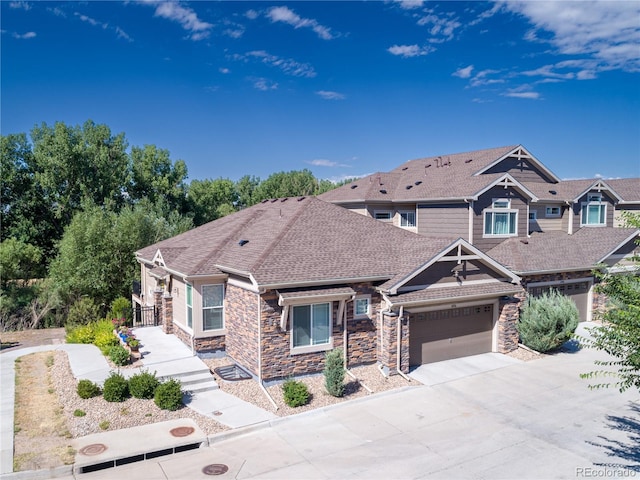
[
  {"x": 284, "y": 199},
  {"x": 273, "y": 200},
  {"x": 469, "y": 161},
  {"x": 354, "y": 186},
  {"x": 243, "y": 242},
  {"x": 301, "y": 198},
  {"x": 405, "y": 168},
  {"x": 418, "y": 182},
  {"x": 553, "y": 192},
  {"x": 265, "y": 200},
  {"x": 382, "y": 190},
  {"x": 409, "y": 187},
  {"x": 526, "y": 242},
  {"x": 427, "y": 165}
]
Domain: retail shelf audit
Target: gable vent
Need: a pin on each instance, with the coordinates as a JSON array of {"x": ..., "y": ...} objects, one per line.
[{"x": 243, "y": 242}]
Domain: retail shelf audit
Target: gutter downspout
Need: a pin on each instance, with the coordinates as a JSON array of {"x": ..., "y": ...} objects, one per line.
[
  {"x": 260, "y": 355},
  {"x": 380, "y": 366},
  {"x": 398, "y": 368}
]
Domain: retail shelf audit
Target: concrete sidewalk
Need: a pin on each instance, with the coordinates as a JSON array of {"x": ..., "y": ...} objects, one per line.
[{"x": 163, "y": 354}]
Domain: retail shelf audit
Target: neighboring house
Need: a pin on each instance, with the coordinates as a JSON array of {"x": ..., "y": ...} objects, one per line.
[
  {"x": 505, "y": 202},
  {"x": 278, "y": 284}
]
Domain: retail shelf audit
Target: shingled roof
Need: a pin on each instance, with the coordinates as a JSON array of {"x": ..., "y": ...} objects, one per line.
[
  {"x": 297, "y": 241},
  {"x": 558, "y": 251}
]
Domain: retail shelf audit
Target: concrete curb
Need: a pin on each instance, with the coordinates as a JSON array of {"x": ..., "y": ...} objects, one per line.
[{"x": 56, "y": 472}]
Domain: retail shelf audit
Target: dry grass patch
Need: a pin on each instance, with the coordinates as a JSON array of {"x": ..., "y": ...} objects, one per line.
[{"x": 41, "y": 438}]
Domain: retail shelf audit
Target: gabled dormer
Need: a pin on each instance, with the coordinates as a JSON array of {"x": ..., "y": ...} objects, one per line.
[
  {"x": 594, "y": 206},
  {"x": 521, "y": 165}
]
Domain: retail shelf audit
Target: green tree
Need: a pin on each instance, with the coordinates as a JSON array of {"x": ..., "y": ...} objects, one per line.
[
  {"x": 155, "y": 176},
  {"x": 211, "y": 199},
  {"x": 245, "y": 188},
  {"x": 19, "y": 262},
  {"x": 286, "y": 184},
  {"x": 79, "y": 164},
  {"x": 619, "y": 333},
  {"x": 24, "y": 212},
  {"x": 96, "y": 254}
]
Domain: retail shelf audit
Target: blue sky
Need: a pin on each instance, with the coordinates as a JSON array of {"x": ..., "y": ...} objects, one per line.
[{"x": 342, "y": 88}]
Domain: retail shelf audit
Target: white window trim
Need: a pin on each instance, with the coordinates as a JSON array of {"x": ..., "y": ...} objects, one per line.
[
  {"x": 312, "y": 348},
  {"x": 598, "y": 202},
  {"x": 362, "y": 297},
  {"x": 214, "y": 330},
  {"x": 187, "y": 306},
  {"x": 385, "y": 212},
  {"x": 533, "y": 215},
  {"x": 548, "y": 212},
  {"x": 415, "y": 219},
  {"x": 493, "y": 210}
]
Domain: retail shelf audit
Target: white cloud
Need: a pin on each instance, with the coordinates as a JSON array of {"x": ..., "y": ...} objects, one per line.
[
  {"x": 482, "y": 78},
  {"x": 607, "y": 31},
  {"x": 323, "y": 163},
  {"x": 410, "y": 4},
  {"x": 251, "y": 14},
  {"x": 522, "y": 92},
  {"x": 234, "y": 32},
  {"x": 288, "y": 66},
  {"x": 264, "y": 84},
  {"x": 224, "y": 70},
  {"x": 408, "y": 51},
  {"x": 185, "y": 16},
  {"x": 286, "y": 15},
  {"x": 328, "y": 95},
  {"x": 463, "y": 72},
  {"x": 20, "y": 4},
  {"x": 24, "y": 36},
  {"x": 90, "y": 21},
  {"x": 122, "y": 34},
  {"x": 442, "y": 27}
]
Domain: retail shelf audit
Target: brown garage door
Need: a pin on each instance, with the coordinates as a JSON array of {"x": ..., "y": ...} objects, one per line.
[
  {"x": 578, "y": 292},
  {"x": 445, "y": 334}
]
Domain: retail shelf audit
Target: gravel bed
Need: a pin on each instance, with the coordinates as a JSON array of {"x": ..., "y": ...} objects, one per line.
[
  {"x": 132, "y": 412},
  {"x": 525, "y": 354},
  {"x": 250, "y": 391}
]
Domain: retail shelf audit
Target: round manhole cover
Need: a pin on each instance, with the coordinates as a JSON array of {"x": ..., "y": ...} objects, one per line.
[
  {"x": 182, "y": 431},
  {"x": 215, "y": 469},
  {"x": 93, "y": 449}
]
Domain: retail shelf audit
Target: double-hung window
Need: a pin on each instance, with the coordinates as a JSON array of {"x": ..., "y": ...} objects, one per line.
[
  {"x": 212, "y": 307},
  {"x": 408, "y": 219},
  {"x": 311, "y": 325},
  {"x": 189, "y": 305},
  {"x": 594, "y": 210},
  {"x": 501, "y": 220}
]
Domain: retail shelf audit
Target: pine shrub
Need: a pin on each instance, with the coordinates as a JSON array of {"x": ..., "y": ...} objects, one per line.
[
  {"x": 295, "y": 393},
  {"x": 116, "y": 388},
  {"x": 119, "y": 355},
  {"x": 143, "y": 385},
  {"x": 87, "y": 389},
  {"x": 334, "y": 373},
  {"x": 546, "y": 322},
  {"x": 168, "y": 395}
]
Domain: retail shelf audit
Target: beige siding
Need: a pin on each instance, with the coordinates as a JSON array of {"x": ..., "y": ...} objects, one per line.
[
  {"x": 518, "y": 203},
  {"x": 179, "y": 293},
  {"x": 360, "y": 209},
  {"x": 443, "y": 272},
  {"x": 548, "y": 223},
  {"x": 444, "y": 220},
  {"x": 522, "y": 170}
]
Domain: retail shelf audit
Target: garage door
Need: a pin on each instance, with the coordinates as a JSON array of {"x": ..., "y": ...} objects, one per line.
[
  {"x": 578, "y": 292},
  {"x": 445, "y": 334}
]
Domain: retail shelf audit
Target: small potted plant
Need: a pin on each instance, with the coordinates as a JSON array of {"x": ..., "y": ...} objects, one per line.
[{"x": 134, "y": 343}]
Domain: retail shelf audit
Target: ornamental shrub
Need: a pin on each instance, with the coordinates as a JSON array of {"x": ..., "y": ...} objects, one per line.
[
  {"x": 143, "y": 385},
  {"x": 119, "y": 355},
  {"x": 121, "y": 309},
  {"x": 116, "y": 388},
  {"x": 295, "y": 393},
  {"x": 334, "y": 373},
  {"x": 168, "y": 395},
  {"x": 104, "y": 340},
  {"x": 546, "y": 322},
  {"x": 87, "y": 389},
  {"x": 83, "y": 311}
]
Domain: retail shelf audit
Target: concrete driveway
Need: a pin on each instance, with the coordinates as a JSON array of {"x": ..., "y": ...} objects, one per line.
[{"x": 533, "y": 419}]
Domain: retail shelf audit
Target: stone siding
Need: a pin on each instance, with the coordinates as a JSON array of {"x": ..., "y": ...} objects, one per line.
[
  {"x": 241, "y": 322},
  {"x": 509, "y": 312},
  {"x": 388, "y": 351},
  {"x": 184, "y": 336},
  {"x": 209, "y": 344},
  {"x": 167, "y": 311}
]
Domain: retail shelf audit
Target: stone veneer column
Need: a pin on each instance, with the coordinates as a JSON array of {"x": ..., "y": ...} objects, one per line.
[
  {"x": 389, "y": 348},
  {"x": 167, "y": 313},
  {"x": 508, "y": 336},
  {"x": 157, "y": 302}
]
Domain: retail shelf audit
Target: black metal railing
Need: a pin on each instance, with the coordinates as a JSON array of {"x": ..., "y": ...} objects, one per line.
[{"x": 145, "y": 316}]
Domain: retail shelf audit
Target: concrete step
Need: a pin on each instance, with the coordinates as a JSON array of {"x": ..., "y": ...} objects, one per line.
[{"x": 196, "y": 381}]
